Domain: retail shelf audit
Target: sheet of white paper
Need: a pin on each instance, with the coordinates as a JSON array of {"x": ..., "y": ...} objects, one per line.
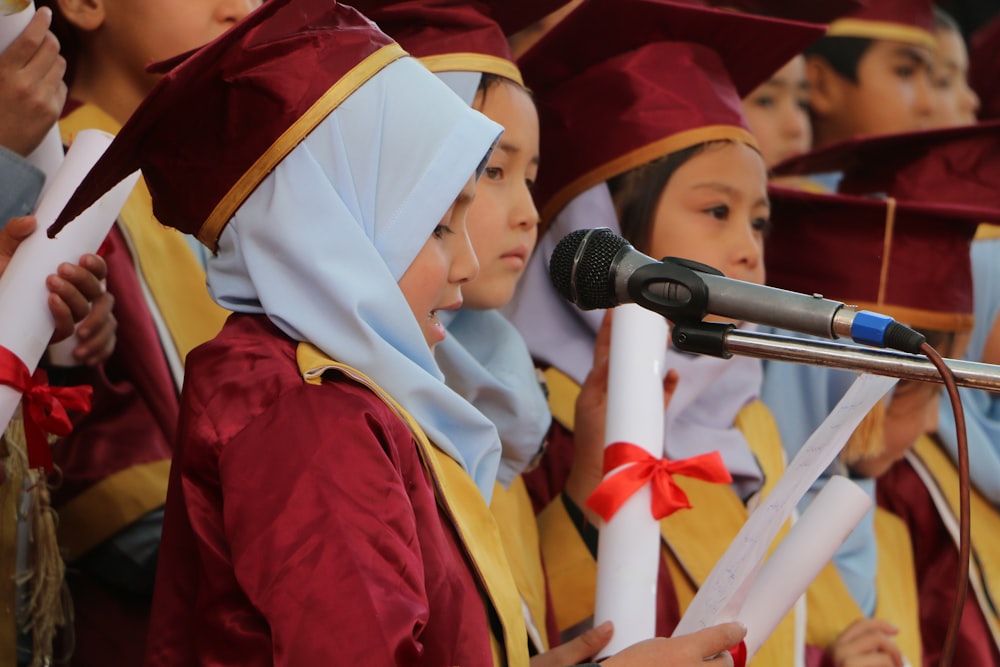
[
  {"x": 721, "y": 597},
  {"x": 800, "y": 556},
  {"x": 22, "y": 286},
  {"x": 628, "y": 553},
  {"x": 14, "y": 16}
]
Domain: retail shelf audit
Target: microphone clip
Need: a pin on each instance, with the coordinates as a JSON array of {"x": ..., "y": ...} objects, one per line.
[{"x": 673, "y": 288}]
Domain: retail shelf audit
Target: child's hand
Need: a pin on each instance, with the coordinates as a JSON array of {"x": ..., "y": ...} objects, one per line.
[
  {"x": 73, "y": 288},
  {"x": 867, "y": 643},
  {"x": 32, "y": 92},
  {"x": 700, "y": 649},
  {"x": 97, "y": 332},
  {"x": 577, "y": 649}
]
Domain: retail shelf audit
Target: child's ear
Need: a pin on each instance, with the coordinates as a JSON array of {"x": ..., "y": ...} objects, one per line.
[
  {"x": 826, "y": 86},
  {"x": 85, "y": 15}
]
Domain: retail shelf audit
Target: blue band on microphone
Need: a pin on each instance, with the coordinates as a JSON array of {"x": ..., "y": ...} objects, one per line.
[{"x": 869, "y": 328}]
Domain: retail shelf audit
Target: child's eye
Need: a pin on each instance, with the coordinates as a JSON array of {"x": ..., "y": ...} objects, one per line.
[
  {"x": 905, "y": 71},
  {"x": 762, "y": 225},
  {"x": 493, "y": 173},
  {"x": 440, "y": 231},
  {"x": 720, "y": 212},
  {"x": 530, "y": 183},
  {"x": 764, "y": 102}
]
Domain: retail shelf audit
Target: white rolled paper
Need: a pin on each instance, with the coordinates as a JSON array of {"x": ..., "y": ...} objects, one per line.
[
  {"x": 807, "y": 548},
  {"x": 14, "y": 17},
  {"x": 628, "y": 553},
  {"x": 26, "y": 323}
]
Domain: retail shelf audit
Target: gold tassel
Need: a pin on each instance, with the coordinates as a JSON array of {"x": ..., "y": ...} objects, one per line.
[
  {"x": 48, "y": 606},
  {"x": 868, "y": 439}
]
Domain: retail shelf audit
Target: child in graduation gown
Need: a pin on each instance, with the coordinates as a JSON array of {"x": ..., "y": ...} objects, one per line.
[
  {"x": 634, "y": 129},
  {"x": 924, "y": 199},
  {"x": 327, "y": 497},
  {"x": 484, "y": 358},
  {"x": 116, "y": 463}
]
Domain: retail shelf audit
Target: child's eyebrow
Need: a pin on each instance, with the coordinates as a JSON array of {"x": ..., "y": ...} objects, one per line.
[
  {"x": 911, "y": 53},
  {"x": 514, "y": 150}
]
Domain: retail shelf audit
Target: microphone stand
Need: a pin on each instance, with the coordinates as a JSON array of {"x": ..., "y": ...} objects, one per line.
[{"x": 723, "y": 340}]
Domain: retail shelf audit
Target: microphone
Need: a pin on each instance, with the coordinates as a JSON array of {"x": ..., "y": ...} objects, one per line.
[{"x": 595, "y": 268}]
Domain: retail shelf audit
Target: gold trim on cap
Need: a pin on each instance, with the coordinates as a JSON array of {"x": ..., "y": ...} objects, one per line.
[
  {"x": 212, "y": 228},
  {"x": 987, "y": 230},
  {"x": 473, "y": 62},
  {"x": 890, "y": 227},
  {"x": 896, "y": 32},
  {"x": 648, "y": 153}
]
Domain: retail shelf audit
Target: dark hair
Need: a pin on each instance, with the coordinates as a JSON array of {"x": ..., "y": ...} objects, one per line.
[
  {"x": 636, "y": 193},
  {"x": 490, "y": 80},
  {"x": 842, "y": 53}
]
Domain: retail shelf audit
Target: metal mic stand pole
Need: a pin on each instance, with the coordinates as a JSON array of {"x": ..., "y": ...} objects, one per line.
[{"x": 724, "y": 340}]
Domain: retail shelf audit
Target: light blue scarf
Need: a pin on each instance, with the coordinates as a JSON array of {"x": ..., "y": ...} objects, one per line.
[
  {"x": 982, "y": 409},
  {"x": 320, "y": 245}
]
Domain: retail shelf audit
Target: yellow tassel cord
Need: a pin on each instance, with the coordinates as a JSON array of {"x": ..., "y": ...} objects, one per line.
[
  {"x": 47, "y": 606},
  {"x": 868, "y": 439}
]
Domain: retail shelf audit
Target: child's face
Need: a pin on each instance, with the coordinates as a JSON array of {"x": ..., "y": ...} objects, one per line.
[
  {"x": 433, "y": 282},
  {"x": 955, "y": 103},
  {"x": 778, "y": 113},
  {"x": 140, "y": 32},
  {"x": 714, "y": 210},
  {"x": 892, "y": 92},
  {"x": 503, "y": 220}
]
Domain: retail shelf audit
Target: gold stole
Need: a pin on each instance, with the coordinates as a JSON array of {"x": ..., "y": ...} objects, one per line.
[
  {"x": 462, "y": 501},
  {"x": 696, "y": 544},
  {"x": 940, "y": 475},
  {"x": 175, "y": 277},
  {"x": 515, "y": 518}
]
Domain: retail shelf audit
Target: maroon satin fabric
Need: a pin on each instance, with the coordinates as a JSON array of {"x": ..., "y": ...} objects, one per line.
[
  {"x": 902, "y": 492},
  {"x": 301, "y": 527},
  {"x": 133, "y": 418}
]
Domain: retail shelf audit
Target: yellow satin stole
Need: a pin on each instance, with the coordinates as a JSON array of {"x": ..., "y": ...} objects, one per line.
[{"x": 163, "y": 258}]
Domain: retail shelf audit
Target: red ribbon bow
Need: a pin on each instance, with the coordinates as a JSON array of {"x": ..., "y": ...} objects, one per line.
[
  {"x": 44, "y": 407},
  {"x": 612, "y": 493},
  {"x": 739, "y": 653}
]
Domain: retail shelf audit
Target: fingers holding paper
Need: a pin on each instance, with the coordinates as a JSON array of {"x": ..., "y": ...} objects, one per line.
[{"x": 709, "y": 646}]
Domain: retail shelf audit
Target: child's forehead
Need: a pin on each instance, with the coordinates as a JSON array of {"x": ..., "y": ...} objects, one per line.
[{"x": 891, "y": 50}]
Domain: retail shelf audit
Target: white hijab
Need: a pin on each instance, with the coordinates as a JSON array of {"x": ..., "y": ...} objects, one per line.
[
  {"x": 320, "y": 245},
  {"x": 710, "y": 392}
]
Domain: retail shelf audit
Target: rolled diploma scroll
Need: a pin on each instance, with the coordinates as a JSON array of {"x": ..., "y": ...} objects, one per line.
[
  {"x": 799, "y": 558},
  {"x": 628, "y": 552},
  {"x": 14, "y": 17},
  {"x": 721, "y": 596},
  {"x": 27, "y": 324}
]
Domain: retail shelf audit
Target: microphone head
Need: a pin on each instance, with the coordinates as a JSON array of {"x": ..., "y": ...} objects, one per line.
[{"x": 581, "y": 267}]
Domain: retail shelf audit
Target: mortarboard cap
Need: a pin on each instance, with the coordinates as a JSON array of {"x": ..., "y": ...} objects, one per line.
[
  {"x": 619, "y": 83},
  {"x": 453, "y": 35},
  {"x": 908, "y": 21},
  {"x": 813, "y": 11},
  {"x": 984, "y": 60},
  {"x": 954, "y": 165},
  {"x": 907, "y": 260},
  {"x": 241, "y": 104}
]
